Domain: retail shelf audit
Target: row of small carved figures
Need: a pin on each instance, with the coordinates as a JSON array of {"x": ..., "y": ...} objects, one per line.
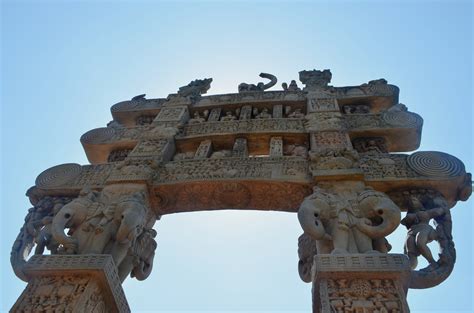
[
  {"x": 264, "y": 113},
  {"x": 362, "y": 145}
]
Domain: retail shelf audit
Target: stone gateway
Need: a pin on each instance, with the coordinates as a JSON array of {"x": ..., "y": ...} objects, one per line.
[{"x": 326, "y": 153}]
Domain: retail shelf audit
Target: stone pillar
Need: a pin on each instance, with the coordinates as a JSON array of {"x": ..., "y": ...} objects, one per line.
[
  {"x": 360, "y": 283},
  {"x": 72, "y": 283}
]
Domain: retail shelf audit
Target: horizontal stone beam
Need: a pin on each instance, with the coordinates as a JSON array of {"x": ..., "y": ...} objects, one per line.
[{"x": 386, "y": 172}]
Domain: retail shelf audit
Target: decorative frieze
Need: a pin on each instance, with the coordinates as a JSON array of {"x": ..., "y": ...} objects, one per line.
[
  {"x": 330, "y": 140},
  {"x": 322, "y": 104},
  {"x": 233, "y": 168},
  {"x": 173, "y": 114},
  {"x": 245, "y": 126}
]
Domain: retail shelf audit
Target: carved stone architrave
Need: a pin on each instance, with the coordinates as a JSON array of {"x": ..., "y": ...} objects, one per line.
[
  {"x": 204, "y": 150},
  {"x": 276, "y": 146},
  {"x": 72, "y": 283},
  {"x": 240, "y": 148},
  {"x": 360, "y": 283}
]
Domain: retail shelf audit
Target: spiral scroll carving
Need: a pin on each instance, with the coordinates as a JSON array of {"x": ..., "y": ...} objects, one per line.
[
  {"x": 436, "y": 164},
  {"x": 404, "y": 119},
  {"x": 58, "y": 175},
  {"x": 98, "y": 135}
]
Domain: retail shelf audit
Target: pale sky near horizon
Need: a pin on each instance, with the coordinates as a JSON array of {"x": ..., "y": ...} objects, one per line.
[{"x": 63, "y": 64}]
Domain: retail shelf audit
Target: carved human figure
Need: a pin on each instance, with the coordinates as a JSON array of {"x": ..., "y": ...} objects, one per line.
[
  {"x": 197, "y": 118},
  {"x": 420, "y": 232}
]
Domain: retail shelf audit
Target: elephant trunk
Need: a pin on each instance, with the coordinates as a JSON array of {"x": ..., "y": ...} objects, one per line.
[
  {"x": 129, "y": 226},
  {"x": 379, "y": 209},
  {"x": 143, "y": 270},
  {"x": 310, "y": 219},
  {"x": 59, "y": 224}
]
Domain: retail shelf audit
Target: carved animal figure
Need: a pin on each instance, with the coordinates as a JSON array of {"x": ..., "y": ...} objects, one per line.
[
  {"x": 338, "y": 227},
  {"x": 195, "y": 88},
  {"x": 244, "y": 87},
  {"x": 80, "y": 216},
  {"x": 139, "y": 260},
  {"x": 130, "y": 214}
]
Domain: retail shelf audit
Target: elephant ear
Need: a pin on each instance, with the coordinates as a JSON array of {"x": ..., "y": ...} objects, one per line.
[{"x": 306, "y": 252}]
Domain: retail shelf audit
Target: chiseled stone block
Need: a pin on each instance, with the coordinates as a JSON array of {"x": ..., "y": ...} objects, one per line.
[
  {"x": 360, "y": 283},
  {"x": 72, "y": 283}
]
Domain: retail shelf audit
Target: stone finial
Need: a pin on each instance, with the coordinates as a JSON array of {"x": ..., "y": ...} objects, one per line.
[
  {"x": 315, "y": 79},
  {"x": 139, "y": 97},
  {"x": 195, "y": 88},
  {"x": 244, "y": 87}
]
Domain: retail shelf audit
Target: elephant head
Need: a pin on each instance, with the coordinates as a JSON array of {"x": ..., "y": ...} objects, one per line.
[
  {"x": 71, "y": 216},
  {"x": 381, "y": 216},
  {"x": 132, "y": 214},
  {"x": 146, "y": 253},
  {"x": 310, "y": 216}
]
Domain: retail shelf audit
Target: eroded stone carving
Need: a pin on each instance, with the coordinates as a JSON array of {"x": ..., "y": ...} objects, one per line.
[
  {"x": 372, "y": 145},
  {"x": 36, "y": 232},
  {"x": 195, "y": 88},
  {"x": 97, "y": 223},
  {"x": 197, "y": 118},
  {"x": 143, "y": 120},
  {"x": 423, "y": 207},
  {"x": 348, "y": 221},
  {"x": 118, "y": 155},
  {"x": 292, "y": 87},
  {"x": 262, "y": 114},
  {"x": 244, "y": 87},
  {"x": 315, "y": 80},
  {"x": 356, "y": 109},
  {"x": 333, "y": 159}
]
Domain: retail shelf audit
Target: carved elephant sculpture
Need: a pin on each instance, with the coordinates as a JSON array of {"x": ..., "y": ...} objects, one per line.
[
  {"x": 78, "y": 217},
  {"x": 339, "y": 226},
  {"x": 139, "y": 260},
  {"x": 130, "y": 214}
]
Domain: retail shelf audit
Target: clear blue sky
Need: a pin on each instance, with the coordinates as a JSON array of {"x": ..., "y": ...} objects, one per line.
[{"x": 64, "y": 64}]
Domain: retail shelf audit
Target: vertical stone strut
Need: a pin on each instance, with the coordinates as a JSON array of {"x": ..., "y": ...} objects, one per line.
[{"x": 323, "y": 152}]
